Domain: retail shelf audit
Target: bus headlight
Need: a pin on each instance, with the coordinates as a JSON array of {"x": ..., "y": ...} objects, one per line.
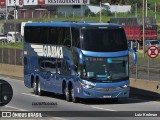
[
  {"x": 124, "y": 86},
  {"x": 87, "y": 86}
]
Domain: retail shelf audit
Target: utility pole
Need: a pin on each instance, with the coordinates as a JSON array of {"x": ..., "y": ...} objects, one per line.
[
  {"x": 81, "y": 12},
  {"x": 146, "y": 8},
  {"x": 136, "y": 10},
  {"x": 100, "y": 13},
  {"x": 6, "y": 10},
  {"x": 116, "y": 11},
  {"x": 143, "y": 17},
  {"x": 155, "y": 10}
]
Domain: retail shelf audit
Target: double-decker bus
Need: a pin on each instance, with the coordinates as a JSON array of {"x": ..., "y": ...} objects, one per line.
[{"x": 78, "y": 60}]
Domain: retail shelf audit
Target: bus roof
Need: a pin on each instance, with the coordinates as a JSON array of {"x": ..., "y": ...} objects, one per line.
[{"x": 74, "y": 24}]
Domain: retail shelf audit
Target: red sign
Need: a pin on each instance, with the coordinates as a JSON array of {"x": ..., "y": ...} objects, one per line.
[
  {"x": 153, "y": 52},
  {"x": 41, "y": 2},
  {"x": 2, "y": 3}
]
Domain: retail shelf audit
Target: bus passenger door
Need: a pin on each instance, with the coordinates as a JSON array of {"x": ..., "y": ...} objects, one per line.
[
  {"x": 58, "y": 77},
  {"x": 63, "y": 73},
  {"x": 49, "y": 74}
]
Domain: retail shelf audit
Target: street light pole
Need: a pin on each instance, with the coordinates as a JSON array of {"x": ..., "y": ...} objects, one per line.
[
  {"x": 155, "y": 10},
  {"x": 100, "y": 19},
  {"x": 136, "y": 10},
  {"x": 6, "y": 10},
  {"x": 143, "y": 17},
  {"x": 146, "y": 8},
  {"x": 15, "y": 10}
]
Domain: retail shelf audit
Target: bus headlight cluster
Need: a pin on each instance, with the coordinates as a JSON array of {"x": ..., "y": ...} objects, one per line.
[
  {"x": 124, "y": 86},
  {"x": 87, "y": 86}
]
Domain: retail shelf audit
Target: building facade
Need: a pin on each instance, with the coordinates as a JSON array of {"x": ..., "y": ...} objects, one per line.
[{"x": 47, "y": 8}]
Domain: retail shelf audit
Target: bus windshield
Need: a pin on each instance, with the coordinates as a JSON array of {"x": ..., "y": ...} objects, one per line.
[
  {"x": 103, "y": 40},
  {"x": 105, "y": 69}
]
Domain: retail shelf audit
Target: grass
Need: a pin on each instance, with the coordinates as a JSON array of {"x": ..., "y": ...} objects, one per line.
[
  {"x": 153, "y": 1},
  {"x": 11, "y": 45}
]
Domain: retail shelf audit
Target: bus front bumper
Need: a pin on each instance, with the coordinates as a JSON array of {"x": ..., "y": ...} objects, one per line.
[{"x": 91, "y": 93}]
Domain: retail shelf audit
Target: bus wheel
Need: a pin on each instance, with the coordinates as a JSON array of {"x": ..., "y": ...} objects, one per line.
[
  {"x": 67, "y": 95},
  {"x": 40, "y": 92},
  {"x": 35, "y": 88},
  {"x": 74, "y": 99}
]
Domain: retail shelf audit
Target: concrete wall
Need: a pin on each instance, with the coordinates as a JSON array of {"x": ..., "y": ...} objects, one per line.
[
  {"x": 11, "y": 70},
  {"x": 147, "y": 88},
  {"x": 152, "y": 86}
]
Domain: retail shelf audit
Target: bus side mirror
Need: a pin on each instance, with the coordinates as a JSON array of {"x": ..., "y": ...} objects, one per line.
[{"x": 134, "y": 56}]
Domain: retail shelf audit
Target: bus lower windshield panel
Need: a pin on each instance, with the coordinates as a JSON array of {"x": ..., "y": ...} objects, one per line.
[{"x": 105, "y": 69}]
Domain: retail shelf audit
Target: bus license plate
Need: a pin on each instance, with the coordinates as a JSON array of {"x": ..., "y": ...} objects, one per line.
[{"x": 107, "y": 96}]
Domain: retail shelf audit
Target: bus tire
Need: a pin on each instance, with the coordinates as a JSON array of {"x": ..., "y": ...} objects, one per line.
[
  {"x": 74, "y": 99},
  {"x": 67, "y": 95},
  {"x": 40, "y": 92},
  {"x": 35, "y": 88}
]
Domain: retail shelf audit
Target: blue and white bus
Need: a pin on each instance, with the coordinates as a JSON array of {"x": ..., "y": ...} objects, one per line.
[{"x": 78, "y": 60}]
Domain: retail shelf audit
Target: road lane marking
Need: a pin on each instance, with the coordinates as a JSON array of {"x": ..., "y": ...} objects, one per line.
[
  {"x": 31, "y": 95},
  {"x": 16, "y": 108},
  {"x": 103, "y": 108},
  {"x": 58, "y": 118}
]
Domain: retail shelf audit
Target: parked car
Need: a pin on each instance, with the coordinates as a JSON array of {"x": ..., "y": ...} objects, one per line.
[
  {"x": 13, "y": 37},
  {"x": 149, "y": 43},
  {"x": 3, "y": 38},
  {"x": 2, "y": 16}
]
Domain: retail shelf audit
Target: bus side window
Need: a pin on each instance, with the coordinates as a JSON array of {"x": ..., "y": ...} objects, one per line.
[
  {"x": 62, "y": 69},
  {"x": 60, "y": 35},
  {"x": 65, "y": 68},
  {"x": 48, "y": 65},
  {"x": 67, "y": 37},
  {"x": 75, "y": 37},
  {"x": 43, "y": 35},
  {"x": 27, "y": 34},
  {"x": 53, "y": 36},
  {"x": 59, "y": 65}
]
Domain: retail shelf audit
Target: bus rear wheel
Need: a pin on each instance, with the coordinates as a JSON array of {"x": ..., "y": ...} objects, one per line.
[
  {"x": 74, "y": 99},
  {"x": 67, "y": 95},
  {"x": 35, "y": 88},
  {"x": 40, "y": 92}
]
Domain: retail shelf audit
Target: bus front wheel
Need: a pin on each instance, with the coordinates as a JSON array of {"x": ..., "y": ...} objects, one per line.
[{"x": 74, "y": 99}]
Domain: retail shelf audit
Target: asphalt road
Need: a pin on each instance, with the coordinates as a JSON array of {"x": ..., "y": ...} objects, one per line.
[{"x": 24, "y": 99}]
